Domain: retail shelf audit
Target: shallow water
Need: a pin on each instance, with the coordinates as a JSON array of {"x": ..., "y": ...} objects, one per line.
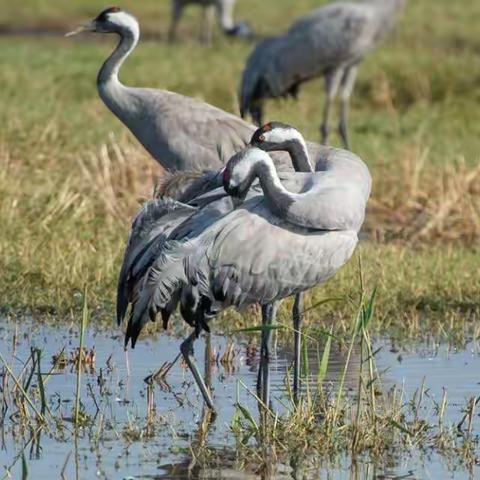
[{"x": 122, "y": 401}]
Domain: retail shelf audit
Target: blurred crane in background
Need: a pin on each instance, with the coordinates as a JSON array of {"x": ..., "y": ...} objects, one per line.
[
  {"x": 331, "y": 42},
  {"x": 224, "y": 10}
]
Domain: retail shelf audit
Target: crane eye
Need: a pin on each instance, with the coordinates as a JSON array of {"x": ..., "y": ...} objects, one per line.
[{"x": 261, "y": 138}]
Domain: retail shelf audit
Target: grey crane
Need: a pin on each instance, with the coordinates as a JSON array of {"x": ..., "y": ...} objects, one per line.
[
  {"x": 224, "y": 10},
  {"x": 180, "y": 132},
  {"x": 331, "y": 42},
  {"x": 221, "y": 256}
]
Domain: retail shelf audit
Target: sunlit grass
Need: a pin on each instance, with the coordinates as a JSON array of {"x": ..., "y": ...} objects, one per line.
[{"x": 71, "y": 177}]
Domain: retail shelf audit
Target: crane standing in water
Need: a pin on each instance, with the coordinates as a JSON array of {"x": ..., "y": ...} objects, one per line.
[
  {"x": 331, "y": 42},
  {"x": 209, "y": 255}
]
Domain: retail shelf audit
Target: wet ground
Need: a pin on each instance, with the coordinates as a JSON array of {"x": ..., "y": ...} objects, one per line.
[{"x": 118, "y": 446}]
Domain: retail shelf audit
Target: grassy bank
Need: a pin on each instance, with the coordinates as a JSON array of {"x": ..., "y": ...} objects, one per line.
[{"x": 71, "y": 177}]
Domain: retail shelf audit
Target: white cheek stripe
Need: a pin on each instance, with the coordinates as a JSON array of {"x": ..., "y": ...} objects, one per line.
[
  {"x": 123, "y": 19},
  {"x": 281, "y": 135}
]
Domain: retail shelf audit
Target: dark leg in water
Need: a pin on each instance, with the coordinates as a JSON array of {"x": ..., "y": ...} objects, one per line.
[
  {"x": 187, "y": 351},
  {"x": 269, "y": 312},
  {"x": 297, "y": 328}
]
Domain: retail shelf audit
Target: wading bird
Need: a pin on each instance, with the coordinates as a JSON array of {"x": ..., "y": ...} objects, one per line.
[
  {"x": 224, "y": 10},
  {"x": 331, "y": 42},
  {"x": 292, "y": 232},
  {"x": 276, "y": 136},
  {"x": 181, "y": 133},
  {"x": 155, "y": 223}
]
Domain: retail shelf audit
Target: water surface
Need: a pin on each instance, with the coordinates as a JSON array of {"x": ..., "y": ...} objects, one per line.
[{"x": 117, "y": 401}]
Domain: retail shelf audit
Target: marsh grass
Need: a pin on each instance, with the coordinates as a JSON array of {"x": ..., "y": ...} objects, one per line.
[
  {"x": 79, "y": 365},
  {"x": 71, "y": 177},
  {"x": 425, "y": 205}
]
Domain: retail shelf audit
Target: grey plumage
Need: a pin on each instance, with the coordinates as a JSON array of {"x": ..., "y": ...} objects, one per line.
[
  {"x": 293, "y": 231},
  {"x": 224, "y": 10},
  {"x": 153, "y": 225},
  {"x": 150, "y": 229},
  {"x": 182, "y": 193},
  {"x": 331, "y": 41}
]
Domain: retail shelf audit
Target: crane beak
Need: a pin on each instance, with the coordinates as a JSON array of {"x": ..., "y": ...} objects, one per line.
[
  {"x": 89, "y": 27},
  {"x": 237, "y": 201}
]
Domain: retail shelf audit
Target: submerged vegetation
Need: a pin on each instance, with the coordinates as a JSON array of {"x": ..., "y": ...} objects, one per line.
[{"x": 367, "y": 421}]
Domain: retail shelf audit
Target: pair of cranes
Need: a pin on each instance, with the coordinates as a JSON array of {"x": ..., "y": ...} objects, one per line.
[{"x": 242, "y": 233}]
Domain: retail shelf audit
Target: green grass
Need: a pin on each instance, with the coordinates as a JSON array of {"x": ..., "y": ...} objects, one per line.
[{"x": 65, "y": 221}]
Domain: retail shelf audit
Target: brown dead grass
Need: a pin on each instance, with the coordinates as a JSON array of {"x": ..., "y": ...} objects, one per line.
[{"x": 417, "y": 203}]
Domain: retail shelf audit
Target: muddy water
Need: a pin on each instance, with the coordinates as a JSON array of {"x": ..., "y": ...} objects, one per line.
[{"x": 117, "y": 403}]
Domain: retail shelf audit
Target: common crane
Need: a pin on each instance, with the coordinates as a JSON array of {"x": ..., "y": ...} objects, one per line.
[
  {"x": 180, "y": 132},
  {"x": 155, "y": 224},
  {"x": 331, "y": 42}
]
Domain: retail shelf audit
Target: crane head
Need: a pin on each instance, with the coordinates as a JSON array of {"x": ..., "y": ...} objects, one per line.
[
  {"x": 111, "y": 20},
  {"x": 240, "y": 172},
  {"x": 275, "y": 136}
]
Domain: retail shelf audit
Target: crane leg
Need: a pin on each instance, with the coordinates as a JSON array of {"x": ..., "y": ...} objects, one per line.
[
  {"x": 207, "y": 24},
  {"x": 262, "y": 342},
  {"x": 346, "y": 89},
  {"x": 187, "y": 351},
  {"x": 177, "y": 10},
  {"x": 269, "y": 312},
  {"x": 297, "y": 328},
  {"x": 332, "y": 82}
]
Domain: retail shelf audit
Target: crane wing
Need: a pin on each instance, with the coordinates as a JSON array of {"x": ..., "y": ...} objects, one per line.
[
  {"x": 150, "y": 228},
  {"x": 257, "y": 258}
]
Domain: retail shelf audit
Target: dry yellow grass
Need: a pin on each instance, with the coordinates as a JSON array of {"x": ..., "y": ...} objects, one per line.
[{"x": 417, "y": 203}]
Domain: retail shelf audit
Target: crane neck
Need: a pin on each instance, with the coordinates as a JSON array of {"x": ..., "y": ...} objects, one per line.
[
  {"x": 108, "y": 74},
  {"x": 283, "y": 203},
  {"x": 299, "y": 155}
]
